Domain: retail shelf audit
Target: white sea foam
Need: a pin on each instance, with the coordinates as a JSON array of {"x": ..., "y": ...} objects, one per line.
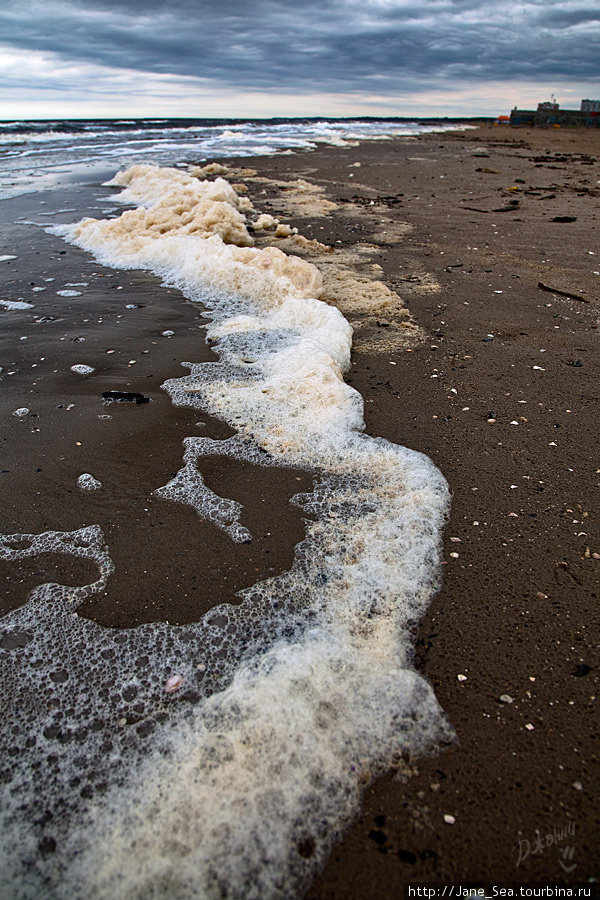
[
  {"x": 87, "y": 482},
  {"x": 16, "y": 304},
  {"x": 237, "y": 783}
]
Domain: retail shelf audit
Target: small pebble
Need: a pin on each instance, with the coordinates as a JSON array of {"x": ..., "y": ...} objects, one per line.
[
  {"x": 461, "y": 677},
  {"x": 506, "y": 698},
  {"x": 529, "y": 726},
  {"x": 22, "y": 412},
  {"x": 448, "y": 819}
]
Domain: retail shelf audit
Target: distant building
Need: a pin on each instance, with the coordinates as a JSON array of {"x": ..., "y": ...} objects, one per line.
[
  {"x": 550, "y": 114},
  {"x": 522, "y": 116}
]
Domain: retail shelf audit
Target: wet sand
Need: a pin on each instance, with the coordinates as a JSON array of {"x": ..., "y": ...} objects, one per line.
[
  {"x": 163, "y": 552},
  {"x": 500, "y": 390}
]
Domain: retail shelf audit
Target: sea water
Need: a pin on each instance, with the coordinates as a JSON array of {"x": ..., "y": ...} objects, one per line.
[
  {"x": 224, "y": 758},
  {"x": 41, "y": 155}
]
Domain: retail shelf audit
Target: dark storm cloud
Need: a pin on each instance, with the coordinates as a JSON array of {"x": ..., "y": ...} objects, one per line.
[{"x": 341, "y": 45}]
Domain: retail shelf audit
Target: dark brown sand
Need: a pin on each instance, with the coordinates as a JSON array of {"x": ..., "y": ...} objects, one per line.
[{"x": 518, "y": 611}]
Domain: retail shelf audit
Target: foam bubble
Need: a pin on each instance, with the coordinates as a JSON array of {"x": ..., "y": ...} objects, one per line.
[
  {"x": 237, "y": 782},
  {"x": 82, "y": 369},
  {"x": 87, "y": 482},
  {"x": 265, "y": 222},
  {"x": 177, "y": 202},
  {"x": 188, "y": 487},
  {"x": 16, "y": 304}
]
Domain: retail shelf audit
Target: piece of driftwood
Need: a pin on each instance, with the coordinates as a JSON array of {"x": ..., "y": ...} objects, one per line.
[
  {"x": 553, "y": 290},
  {"x": 512, "y": 208}
]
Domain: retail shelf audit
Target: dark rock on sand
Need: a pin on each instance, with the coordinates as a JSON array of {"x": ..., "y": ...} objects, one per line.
[{"x": 125, "y": 397}]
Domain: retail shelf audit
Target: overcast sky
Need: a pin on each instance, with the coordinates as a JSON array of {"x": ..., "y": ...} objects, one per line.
[{"x": 294, "y": 57}]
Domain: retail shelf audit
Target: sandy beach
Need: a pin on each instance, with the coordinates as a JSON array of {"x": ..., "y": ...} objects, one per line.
[
  {"x": 501, "y": 394},
  {"x": 488, "y": 364}
]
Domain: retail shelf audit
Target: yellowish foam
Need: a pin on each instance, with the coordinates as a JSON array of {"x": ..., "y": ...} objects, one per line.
[{"x": 304, "y": 691}]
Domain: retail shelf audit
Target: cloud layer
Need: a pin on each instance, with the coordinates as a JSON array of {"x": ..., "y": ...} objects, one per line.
[{"x": 339, "y": 47}]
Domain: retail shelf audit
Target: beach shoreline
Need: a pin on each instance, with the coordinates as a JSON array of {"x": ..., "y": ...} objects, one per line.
[
  {"x": 491, "y": 396},
  {"x": 496, "y": 382}
]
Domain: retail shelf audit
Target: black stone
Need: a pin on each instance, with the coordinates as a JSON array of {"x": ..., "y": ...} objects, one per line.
[
  {"x": 580, "y": 670},
  {"x": 380, "y": 837},
  {"x": 125, "y": 397}
]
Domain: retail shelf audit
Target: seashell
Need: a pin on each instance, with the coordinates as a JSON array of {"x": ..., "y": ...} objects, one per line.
[{"x": 173, "y": 683}]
